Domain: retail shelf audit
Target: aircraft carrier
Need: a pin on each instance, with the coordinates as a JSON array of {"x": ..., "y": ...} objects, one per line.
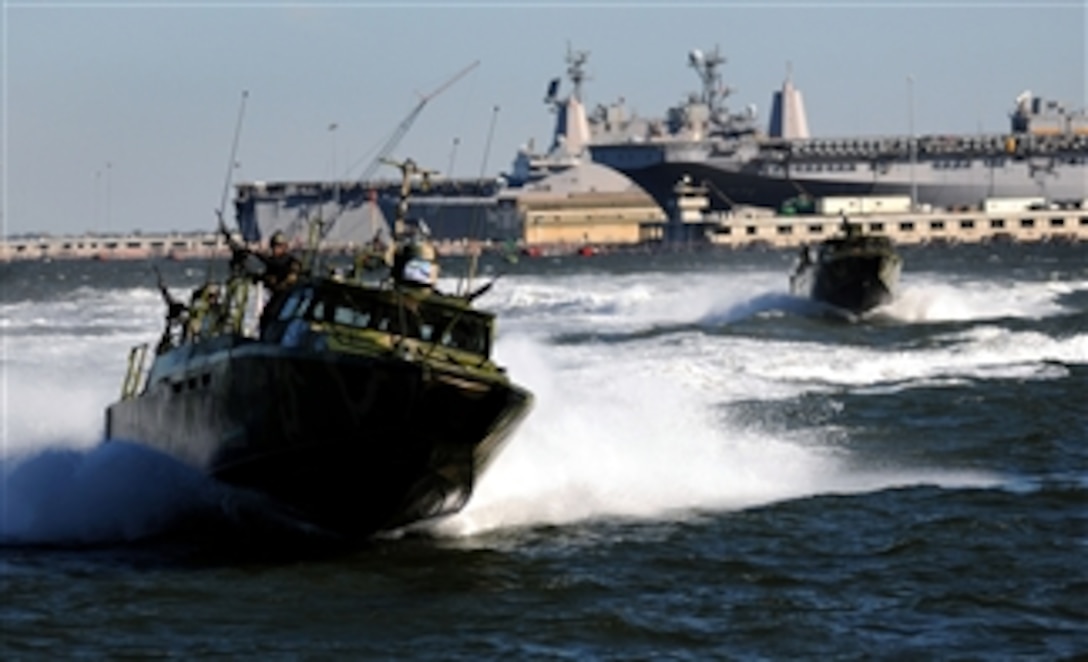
[
  {"x": 608, "y": 151},
  {"x": 1044, "y": 154}
]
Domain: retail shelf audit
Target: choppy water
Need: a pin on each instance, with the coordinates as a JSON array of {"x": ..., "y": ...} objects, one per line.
[{"x": 714, "y": 470}]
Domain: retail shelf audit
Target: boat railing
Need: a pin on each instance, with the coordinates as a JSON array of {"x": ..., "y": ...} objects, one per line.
[
  {"x": 137, "y": 357},
  {"x": 213, "y": 309}
]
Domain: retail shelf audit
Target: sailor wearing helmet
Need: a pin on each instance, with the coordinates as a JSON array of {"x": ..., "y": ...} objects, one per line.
[{"x": 281, "y": 271}]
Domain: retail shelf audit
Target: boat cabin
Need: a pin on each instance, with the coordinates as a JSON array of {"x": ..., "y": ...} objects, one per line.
[
  {"x": 857, "y": 244},
  {"x": 355, "y": 315}
]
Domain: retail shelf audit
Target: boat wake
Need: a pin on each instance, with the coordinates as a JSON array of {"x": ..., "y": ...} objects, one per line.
[
  {"x": 640, "y": 444},
  {"x": 933, "y": 301},
  {"x": 638, "y": 428},
  {"x": 761, "y": 305}
]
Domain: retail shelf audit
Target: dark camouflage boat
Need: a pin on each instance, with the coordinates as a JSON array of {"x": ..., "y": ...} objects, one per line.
[
  {"x": 357, "y": 406},
  {"x": 854, "y": 272}
]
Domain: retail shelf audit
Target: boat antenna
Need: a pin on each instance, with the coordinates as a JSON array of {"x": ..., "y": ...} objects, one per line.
[
  {"x": 466, "y": 284},
  {"x": 232, "y": 163}
]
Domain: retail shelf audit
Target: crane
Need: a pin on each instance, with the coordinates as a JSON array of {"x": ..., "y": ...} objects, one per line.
[
  {"x": 394, "y": 139},
  {"x": 407, "y": 122}
]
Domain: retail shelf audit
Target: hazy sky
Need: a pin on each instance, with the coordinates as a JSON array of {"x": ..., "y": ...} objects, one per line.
[{"x": 120, "y": 115}]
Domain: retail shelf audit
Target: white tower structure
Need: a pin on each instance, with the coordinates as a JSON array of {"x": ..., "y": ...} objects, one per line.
[{"x": 788, "y": 118}]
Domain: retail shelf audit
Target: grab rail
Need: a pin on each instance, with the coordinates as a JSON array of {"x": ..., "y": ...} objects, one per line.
[{"x": 136, "y": 358}]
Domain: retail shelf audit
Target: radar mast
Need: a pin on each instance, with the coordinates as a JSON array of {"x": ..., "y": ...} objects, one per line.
[
  {"x": 576, "y": 70},
  {"x": 706, "y": 67}
]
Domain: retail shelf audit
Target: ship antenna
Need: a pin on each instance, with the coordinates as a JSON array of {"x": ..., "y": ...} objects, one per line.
[
  {"x": 706, "y": 66},
  {"x": 473, "y": 256},
  {"x": 577, "y": 70}
]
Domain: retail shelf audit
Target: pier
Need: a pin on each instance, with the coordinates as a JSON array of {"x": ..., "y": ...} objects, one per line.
[
  {"x": 135, "y": 246},
  {"x": 951, "y": 227},
  {"x": 557, "y": 228}
]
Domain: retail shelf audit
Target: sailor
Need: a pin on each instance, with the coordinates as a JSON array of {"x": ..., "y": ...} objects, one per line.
[
  {"x": 849, "y": 229},
  {"x": 281, "y": 271},
  {"x": 415, "y": 261},
  {"x": 177, "y": 314},
  {"x": 375, "y": 255},
  {"x": 205, "y": 312}
]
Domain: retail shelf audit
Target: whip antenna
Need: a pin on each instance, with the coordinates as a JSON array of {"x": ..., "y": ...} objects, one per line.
[
  {"x": 233, "y": 156},
  {"x": 476, "y": 224}
]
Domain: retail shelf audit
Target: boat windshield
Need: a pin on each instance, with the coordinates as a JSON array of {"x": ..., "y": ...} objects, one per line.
[
  {"x": 449, "y": 326},
  {"x": 857, "y": 243}
]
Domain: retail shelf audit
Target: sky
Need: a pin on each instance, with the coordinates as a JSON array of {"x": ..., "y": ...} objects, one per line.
[{"x": 121, "y": 116}]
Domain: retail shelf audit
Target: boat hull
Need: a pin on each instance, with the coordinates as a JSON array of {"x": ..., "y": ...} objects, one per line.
[
  {"x": 746, "y": 181},
  {"x": 352, "y": 444},
  {"x": 855, "y": 283}
]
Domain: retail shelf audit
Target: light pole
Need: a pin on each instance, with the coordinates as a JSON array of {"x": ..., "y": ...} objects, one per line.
[
  {"x": 913, "y": 145},
  {"x": 109, "y": 169},
  {"x": 333, "y": 126},
  {"x": 453, "y": 156},
  {"x": 97, "y": 199}
]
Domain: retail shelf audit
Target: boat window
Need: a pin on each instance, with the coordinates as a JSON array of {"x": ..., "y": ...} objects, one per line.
[
  {"x": 459, "y": 330},
  {"x": 296, "y": 304},
  {"x": 351, "y": 316},
  {"x": 426, "y": 331},
  {"x": 468, "y": 335},
  {"x": 449, "y": 327}
]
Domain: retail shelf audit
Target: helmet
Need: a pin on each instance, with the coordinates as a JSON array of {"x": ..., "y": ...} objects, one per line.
[{"x": 278, "y": 239}]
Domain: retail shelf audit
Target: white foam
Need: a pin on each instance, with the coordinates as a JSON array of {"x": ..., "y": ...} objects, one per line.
[
  {"x": 592, "y": 304},
  {"x": 933, "y": 298},
  {"x": 637, "y": 444},
  {"x": 110, "y": 493},
  {"x": 620, "y": 429}
]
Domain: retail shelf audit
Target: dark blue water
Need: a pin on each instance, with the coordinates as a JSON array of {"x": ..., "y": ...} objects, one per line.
[{"x": 711, "y": 472}]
